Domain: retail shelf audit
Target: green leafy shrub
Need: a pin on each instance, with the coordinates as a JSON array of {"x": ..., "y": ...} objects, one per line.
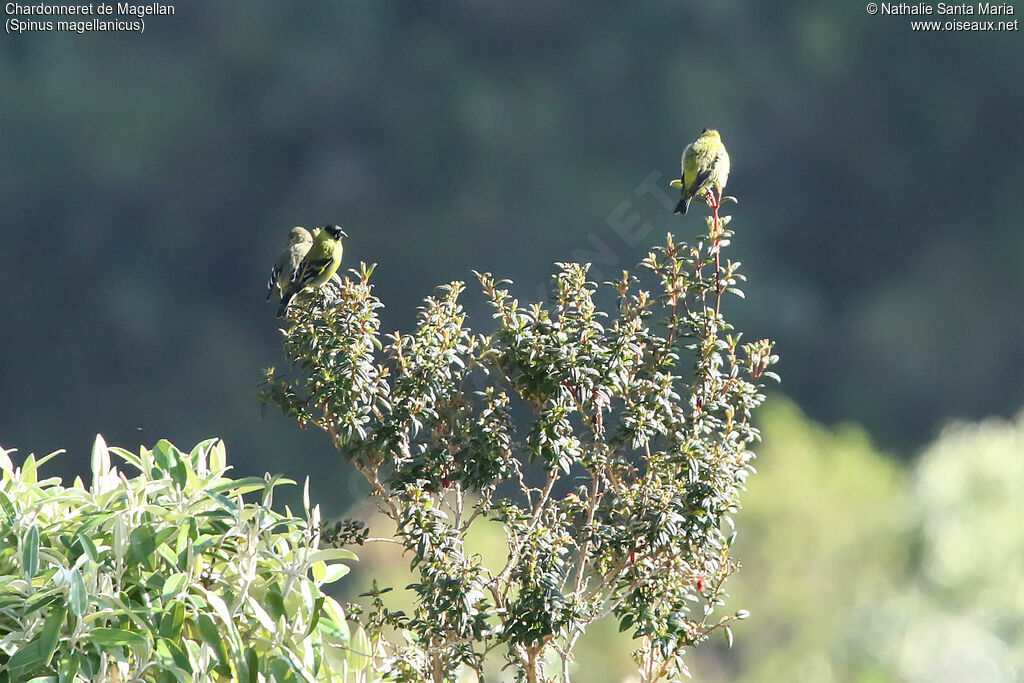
[
  {"x": 610, "y": 446},
  {"x": 858, "y": 568},
  {"x": 168, "y": 575},
  {"x": 823, "y": 535}
]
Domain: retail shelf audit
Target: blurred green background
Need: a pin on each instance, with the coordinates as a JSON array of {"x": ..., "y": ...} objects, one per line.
[{"x": 147, "y": 183}]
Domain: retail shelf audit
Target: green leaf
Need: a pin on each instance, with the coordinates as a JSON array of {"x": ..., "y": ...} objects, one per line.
[
  {"x": 116, "y": 636},
  {"x": 142, "y": 546},
  {"x": 198, "y": 456},
  {"x": 330, "y": 554},
  {"x": 334, "y": 572},
  {"x": 48, "y": 457},
  {"x": 317, "y": 606},
  {"x": 274, "y": 602},
  {"x": 252, "y": 662},
  {"x": 359, "y": 657},
  {"x": 68, "y": 669},
  {"x": 335, "y": 625},
  {"x": 262, "y": 616},
  {"x": 238, "y": 487},
  {"x": 170, "y": 647},
  {"x": 211, "y": 636},
  {"x": 28, "y": 470},
  {"x": 128, "y": 457},
  {"x": 218, "y": 458},
  {"x": 42, "y": 599},
  {"x": 281, "y": 671},
  {"x": 179, "y": 473},
  {"x": 78, "y": 597},
  {"x": 172, "y": 620},
  {"x": 186, "y": 532},
  {"x": 88, "y": 547},
  {"x": 224, "y": 501},
  {"x": 100, "y": 458},
  {"x": 166, "y": 455},
  {"x": 120, "y": 544},
  {"x": 41, "y": 648},
  {"x": 161, "y": 539},
  {"x": 333, "y": 633},
  {"x": 8, "y": 507},
  {"x": 30, "y": 552},
  {"x": 208, "y": 630},
  {"x": 173, "y": 585}
]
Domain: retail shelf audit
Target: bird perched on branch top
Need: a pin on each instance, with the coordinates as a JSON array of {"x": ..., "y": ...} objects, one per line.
[
  {"x": 705, "y": 165},
  {"x": 319, "y": 265},
  {"x": 299, "y": 242}
]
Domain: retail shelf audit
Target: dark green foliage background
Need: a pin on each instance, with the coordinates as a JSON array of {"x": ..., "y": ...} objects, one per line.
[{"x": 147, "y": 182}]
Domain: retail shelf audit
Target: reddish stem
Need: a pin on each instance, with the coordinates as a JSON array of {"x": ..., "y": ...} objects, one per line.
[{"x": 715, "y": 202}]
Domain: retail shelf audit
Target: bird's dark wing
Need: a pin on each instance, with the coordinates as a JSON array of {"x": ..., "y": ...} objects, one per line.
[
  {"x": 702, "y": 178},
  {"x": 311, "y": 270}
]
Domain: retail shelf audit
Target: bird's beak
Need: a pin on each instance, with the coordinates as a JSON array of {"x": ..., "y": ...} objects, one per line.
[{"x": 343, "y": 233}]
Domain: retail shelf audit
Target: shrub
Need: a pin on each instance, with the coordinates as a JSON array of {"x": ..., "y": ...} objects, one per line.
[
  {"x": 611, "y": 447},
  {"x": 169, "y": 575}
]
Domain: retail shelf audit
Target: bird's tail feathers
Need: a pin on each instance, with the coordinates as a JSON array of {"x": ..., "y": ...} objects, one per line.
[
  {"x": 285, "y": 300},
  {"x": 683, "y": 205}
]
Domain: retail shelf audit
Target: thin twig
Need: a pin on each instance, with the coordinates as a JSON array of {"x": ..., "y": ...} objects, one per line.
[{"x": 381, "y": 540}]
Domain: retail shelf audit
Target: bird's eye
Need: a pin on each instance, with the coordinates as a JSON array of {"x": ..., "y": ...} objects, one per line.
[{"x": 704, "y": 131}]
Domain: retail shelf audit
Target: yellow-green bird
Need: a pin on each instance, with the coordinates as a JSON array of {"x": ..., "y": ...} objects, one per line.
[
  {"x": 705, "y": 164},
  {"x": 318, "y": 266},
  {"x": 299, "y": 242}
]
